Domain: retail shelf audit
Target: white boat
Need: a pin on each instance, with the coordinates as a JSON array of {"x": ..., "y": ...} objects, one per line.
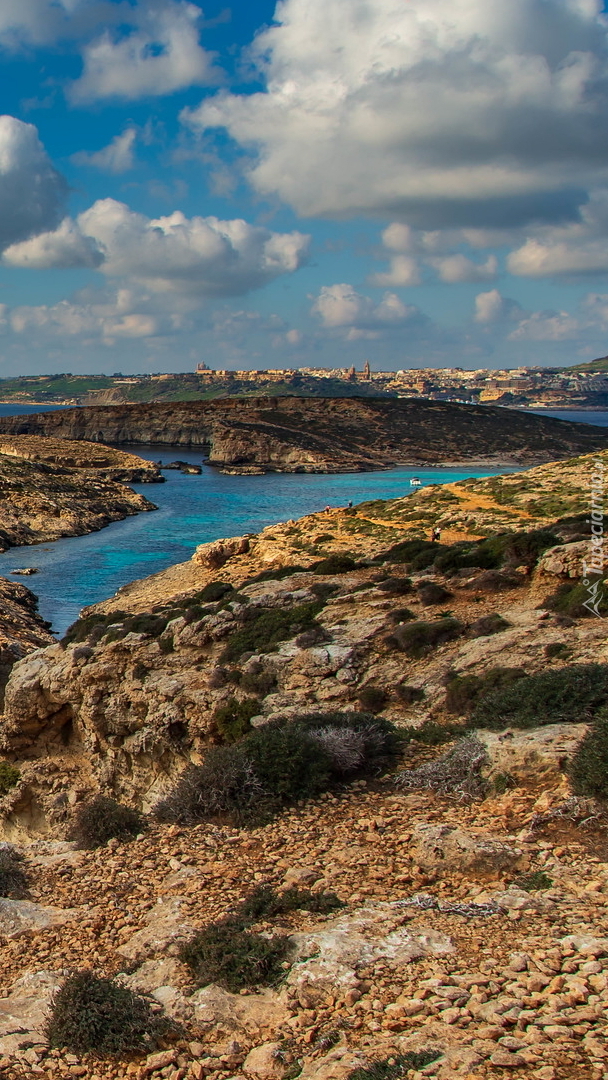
[{"x": 415, "y": 481}]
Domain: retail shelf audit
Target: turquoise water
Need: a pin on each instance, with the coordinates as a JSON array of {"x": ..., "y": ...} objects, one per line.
[{"x": 193, "y": 510}]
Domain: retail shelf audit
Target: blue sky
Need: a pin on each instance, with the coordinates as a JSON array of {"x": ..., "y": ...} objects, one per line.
[{"x": 416, "y": 182}]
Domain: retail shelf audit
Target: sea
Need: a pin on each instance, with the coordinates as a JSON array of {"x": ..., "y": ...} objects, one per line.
[{"x": 192, "y": 510}]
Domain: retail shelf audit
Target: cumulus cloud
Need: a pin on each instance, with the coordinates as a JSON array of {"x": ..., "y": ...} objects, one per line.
[
  {"x": 492, "y": 307},
  {"x": 106, "y": 320},
  {"x": 438, "y": 112},
  {"x": 578, "y": 248},
  {"x": 547, "y": 326},
  {"x": 161, "y": 54},
  {"x": 117, "y": 157},
  {"x": 458, "y": 268},
  {"x": 403, "y": 270},
  {"x": 32, "y": 192},
  {"x": 340, "y": 307},
  {"x": 197, "y": 256}
]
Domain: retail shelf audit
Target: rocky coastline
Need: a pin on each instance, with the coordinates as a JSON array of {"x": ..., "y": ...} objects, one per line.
[{"x": 323, "y": 435}]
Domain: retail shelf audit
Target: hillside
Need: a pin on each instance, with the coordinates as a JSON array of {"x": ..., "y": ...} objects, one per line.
[
  {"x": 472, "y": 937},
  {"x": 323, "y": 435}
]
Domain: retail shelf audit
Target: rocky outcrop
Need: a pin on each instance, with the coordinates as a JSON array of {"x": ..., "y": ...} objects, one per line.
[{"x": 323, "y": 435}]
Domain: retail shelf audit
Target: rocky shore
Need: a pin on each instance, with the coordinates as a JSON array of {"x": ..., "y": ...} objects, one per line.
[
  {"x": 323, "y": 435},
  {"x": 472, "y": 943}
]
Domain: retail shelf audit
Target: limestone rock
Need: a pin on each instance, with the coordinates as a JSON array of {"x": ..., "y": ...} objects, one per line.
[
  {"x": 327, "y": 957},
  {"x": 23, "y": 1012},
  {"x": 166, "y": 928},
  {"x": 19, "y": 917},
  {"x": 531, "y": 756},
  {"x": 436, "y": 847},
  {"x": 264, "y": 1062},
  {"x": 566, "y": 560},
  {"x": 248, "y": 1013},
  {"x": 216, "y": 553}
]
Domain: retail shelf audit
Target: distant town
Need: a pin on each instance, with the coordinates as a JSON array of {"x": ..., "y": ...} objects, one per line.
[{"x": 583, "y": 386}]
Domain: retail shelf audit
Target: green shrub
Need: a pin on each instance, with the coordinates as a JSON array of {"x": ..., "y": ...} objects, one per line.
[
  {"x": 103, "y": 819},
  {"x": 430, "y": 592},
  {"x": 324, "y": 589},
  {"x": 13, "y": 880},
  {"x": 430, "y": 733},
  {"x": 401, "y": 615},
  {"x": 571, "y": 597},
  {"x": 395, "y": 586},
  {"x": 524, "y": 548},
  {"x": 396, "y": 1067},
  {"x": 212, "y": 592},
  {"x": 232, "y": 719},
  {"x": 487, "y": 555},
  {"x": 495, "y": 581},
  {"x": 503, "y": 782},
  {"x": 265, "y": 903},
  {"x": 278, "y": 764},
  {"x": 91, "y": 1015},
  {"x": 408, "y": 550},
  {"x": 233, "y": 958},
  {"x": 588, "y": 769},
  {"x": 372, "y": 698},
  {"x": 464, "y": 691},
  {"x": 488, "y": 624},
  {"x": 265, "y": 630},
  {"x": 535, "y": 880},
  {"x": 418, "y": 638},
  {"x": 569, "y": 695},
  {"x": 408, "y": 694},
  {"x": 257, "y": 680},
  {"x": 81, "y": 629},
  {"x": 334, "y": 564},
  {"x": 9, "y": 776},
  {"x": 557, "y": 650},
  {"x": 277, "y": 574}
]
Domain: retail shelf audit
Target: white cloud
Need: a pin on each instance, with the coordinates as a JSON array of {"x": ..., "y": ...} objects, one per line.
[
  {"x": 117, "y": 157},
  {"x": 547, "y": 326},
  {"x": 107, "y": 319},
  {"x": 491, "y": 307},
  {"x": 458, "y": 268},
  {"x": 160, "y": 55},
  {"x": 31, "y": 190},
  {"x": 340, "y": 307},
  {"x": 62, "y": 249},
  {"x": 196, "y": 256},
  {"x": 438, "y": 112},
  {"x": 577, "y": 248},
  {"x": 404, "y": 270}
]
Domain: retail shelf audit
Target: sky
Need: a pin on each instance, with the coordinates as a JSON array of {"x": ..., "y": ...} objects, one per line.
[{"x": 419, "y": 183}]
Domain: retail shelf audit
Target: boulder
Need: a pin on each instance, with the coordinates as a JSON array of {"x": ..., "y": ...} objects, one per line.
[
  {"x": 265, "y": 1062},
  {"x": 251, "y": 1014},
  {"x": 216, "y": 553},
  {"x": 19, "y": 917},
  {"x": 535, "y": 756},
  {"x": 23, "y": 1012},
  {"x": 439, "y": 847},
  {"x": 167, "y": 927},
  {"x": 566, "y": 560}
]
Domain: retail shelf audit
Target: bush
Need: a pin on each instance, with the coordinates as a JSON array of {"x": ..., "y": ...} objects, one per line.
[
  {"x": 395, "y": 586},
  {"x": 408, "y": 550},
  {"x": 464, "y": 691},
  {"x": 265, "y": 903},
  {"x": 570, "y": 598},
  {"x": 569, "y": 695},
  {"x": 495, "y": 581},
  {"x": 324, "y": 589},
  {"x": 557, "y": 650},
  {"x": 418, "y": 638},
  {"x": 81, "y": 629},
  {"x": 263, "y": 631},
  {"x": 372, "y": 698},
  {"x": 486, "y": 554},
  {"x": 103, "y": 819},
  {"x": 278, "y": 764},
  {"x": 456, "y": 773},
  {"x": 588, "y": 769},
  {"x": 334, "y": 564},
  {"x": 9, "y": 777},
  {"x": 488, "y": 624},
  {"x": 523, "y": 548},
  {"x": 13, "y": 880},
  {"x": 257, "y": 680},
  {"x": 91, "y": 1015},
  {"x": 430, "y": 592},
  {"x": 273, "y": 575},
  {"x": 401, "y": 615},
  {"x": 430, "y": 733},
  {"x": 232, "y": 719},
  {"x": 214, "y": 591},
  {"x": 533, "y": 881},
  {"x": 234, "y": 958},
  {"x": 408, "y": 694}
]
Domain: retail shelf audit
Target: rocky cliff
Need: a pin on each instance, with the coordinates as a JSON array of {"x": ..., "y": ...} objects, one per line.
[
  {"x": 323, "y": 435},
  {"x": 50, "y": 489}
]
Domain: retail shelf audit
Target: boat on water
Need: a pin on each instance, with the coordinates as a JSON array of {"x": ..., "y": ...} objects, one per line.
[{"x": 415, "y": 481}]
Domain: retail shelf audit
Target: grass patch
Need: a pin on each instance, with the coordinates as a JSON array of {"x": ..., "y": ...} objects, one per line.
[
  {"x": 397, "y": 1067},
  {"x": 572, "y": 695},
  {"x": 264, "y": 631},
  {"x": 588, "y": 769},
  {"x": 103, "y": 819},
  {"x": 232, "y": 720},
  {"x": 465, "y": 691},
  {"x": 416, "y": 639},
  {"x": 9, "y": 777},
  {"x": 233, "y": 958},
  {"x": 266, "y": 903},
  {"x": 92, "y": 1015}
]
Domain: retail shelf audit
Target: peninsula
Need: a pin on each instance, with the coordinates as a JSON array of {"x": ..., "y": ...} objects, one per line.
[{"x": 323, "y": 435}]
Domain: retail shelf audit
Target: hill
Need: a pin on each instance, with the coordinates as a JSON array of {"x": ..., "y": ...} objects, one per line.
[{"x": 323, "y": 435}]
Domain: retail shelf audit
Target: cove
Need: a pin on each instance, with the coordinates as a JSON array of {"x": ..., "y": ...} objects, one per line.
[{"x": 192, "y": 510}]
